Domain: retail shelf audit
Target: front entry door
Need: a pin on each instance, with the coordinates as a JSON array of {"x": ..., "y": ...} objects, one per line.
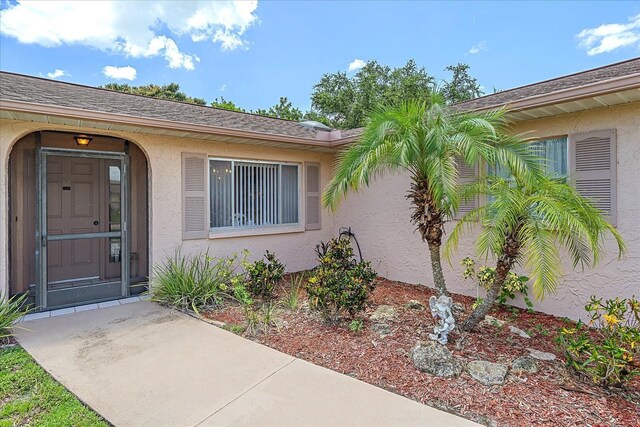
[{"x": 83, "y": 231}]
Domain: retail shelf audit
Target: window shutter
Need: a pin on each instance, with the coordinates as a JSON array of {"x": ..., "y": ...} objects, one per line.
[
  {"x": 194, "y": 196},
  {"x": 312, "y": 196},
  {"x": 466, "y": 175},
  {"x": 592, "y": 165}
]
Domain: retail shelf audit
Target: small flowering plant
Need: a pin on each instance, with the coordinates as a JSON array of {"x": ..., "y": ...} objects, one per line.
[
  {"x": 486, "y": 275},
  {"x": 607, "y": 349}
]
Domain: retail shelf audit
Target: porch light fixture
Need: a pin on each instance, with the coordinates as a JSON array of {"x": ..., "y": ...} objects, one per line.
[{"x": 82, "y": 140}]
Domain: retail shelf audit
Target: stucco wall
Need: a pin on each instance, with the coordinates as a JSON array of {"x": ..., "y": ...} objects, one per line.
[
  {"x": 379, "y": 216},
  {"x": 296, "y": 250}
]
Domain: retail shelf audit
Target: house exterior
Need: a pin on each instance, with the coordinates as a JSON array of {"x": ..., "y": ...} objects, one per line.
[{"x": 91, "y": 178}]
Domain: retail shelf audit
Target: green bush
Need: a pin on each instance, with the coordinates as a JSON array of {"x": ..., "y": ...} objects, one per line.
[
  {"x": 608, "y": 349},
  {"x": 193, "y": 281},
  {"x": 10, "y": 310},
  {"x": 339, "y": 284},
  {"x": 486, "y": 275},
  {"x": 262, "y": 277}
]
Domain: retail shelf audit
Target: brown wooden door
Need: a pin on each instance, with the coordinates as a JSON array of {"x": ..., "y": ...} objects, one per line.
[{"x": 73, "y": 206}]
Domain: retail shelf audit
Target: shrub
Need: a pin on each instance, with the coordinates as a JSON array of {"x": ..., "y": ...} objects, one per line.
[
  {"x": 193, "y": 281},
  {"x": 293, "y": 294},
  {"x": 262, "y": 277},
  {"x": 339, "y": 284},
  {"x": 356, "y": 326},
  {"x": 485, "y": 277},
  {"x": 10, "y": 310},
  {"x": 608, "y": 353}
]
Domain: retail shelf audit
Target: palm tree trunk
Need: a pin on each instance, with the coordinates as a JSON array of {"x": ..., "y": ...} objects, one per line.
[
  {"x": 429, "y": 222},
  {"x": 436, "y": 267}
]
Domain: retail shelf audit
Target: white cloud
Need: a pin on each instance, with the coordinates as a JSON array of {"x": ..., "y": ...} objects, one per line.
[
  {"x": 223, "y": 88},
  {"x": 609, "y": 37},
  {"x": 477, "y": 48},
  {"x": 356, "y": 64},
  {"x": 120, "y": 73},
  {"x": 131, "y": 28},
  {"x": 57, "y": 73}
]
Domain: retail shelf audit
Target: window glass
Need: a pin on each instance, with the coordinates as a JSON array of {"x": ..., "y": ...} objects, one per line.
[
  {"x": 554, "y": 153},
  {"x": 252, "y": 194}
]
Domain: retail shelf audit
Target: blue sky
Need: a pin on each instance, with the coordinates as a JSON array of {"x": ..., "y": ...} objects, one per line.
[{"x": 254, "y": 52}]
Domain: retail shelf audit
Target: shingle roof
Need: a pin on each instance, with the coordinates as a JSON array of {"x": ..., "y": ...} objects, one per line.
[
  {"x": 18, "y": 87},
  {"x": 596, "y": 75}
]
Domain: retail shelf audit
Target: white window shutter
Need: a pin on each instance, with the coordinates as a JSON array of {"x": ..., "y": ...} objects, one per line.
[
  {"x": 592, "y": 167},
  {"x": 194, "y": 196},
  {"x": 312, "y": 196},
  {"x": 466, "y": 175}
]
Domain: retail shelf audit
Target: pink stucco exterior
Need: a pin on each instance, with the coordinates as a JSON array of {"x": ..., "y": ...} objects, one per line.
[{"x": 379, "y": 215}]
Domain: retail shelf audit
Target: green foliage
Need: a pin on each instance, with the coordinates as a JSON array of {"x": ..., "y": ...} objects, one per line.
[
  {"x": 356, "y": 326},
  {"x": 292, "y": 295},
  {"x": 485, "y": 276},
  {"x": 262, "y": 277},
  {"x": 225, "y": 104},
  {"x": 193, "y": 281},
  {"x": 170, "y": 91},
  {"x": 10, "y": 310},
  {"x": 608, "y": 353},
  {"x": 259, "y": 318},
  {"x": 31, "y": 397},
  {"x": 283, "y": 110},
  {"x": 339, "y": 284},
  {"x": 462, "y": 86}
]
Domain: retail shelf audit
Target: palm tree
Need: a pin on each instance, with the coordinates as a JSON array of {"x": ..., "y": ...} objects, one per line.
[
  {"x": 531, "y": 222},
  {"x": 429, "y": 140}
]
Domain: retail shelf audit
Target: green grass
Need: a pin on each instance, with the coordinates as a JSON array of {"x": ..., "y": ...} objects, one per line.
[{"x": 31, "y": 397}]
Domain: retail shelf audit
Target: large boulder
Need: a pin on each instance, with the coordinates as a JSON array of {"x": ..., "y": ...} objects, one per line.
[
  {"x": 383, "y": 313},
  {"x": 381, "y": 329},
  {"x": 487, "y": 373},
  {"x": 435, "y": 359}
]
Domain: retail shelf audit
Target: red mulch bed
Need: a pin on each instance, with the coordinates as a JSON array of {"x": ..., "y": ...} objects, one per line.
[{"x": 550, "y": 397}]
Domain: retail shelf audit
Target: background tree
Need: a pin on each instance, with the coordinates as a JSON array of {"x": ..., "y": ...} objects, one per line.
[
  {"x": 462, "y": 86},
  {"x": 282, "y": 110},
  {"x": 347, "y": 101},
  {"x": 170, "y": 91},
  {"x": 226, "y": 105},
  {"x": 530, "y": 220},
  {"x": 429, "y": 140}
]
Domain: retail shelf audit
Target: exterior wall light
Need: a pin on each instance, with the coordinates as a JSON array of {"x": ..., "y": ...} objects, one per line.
[{"x": 82, "y": 140}]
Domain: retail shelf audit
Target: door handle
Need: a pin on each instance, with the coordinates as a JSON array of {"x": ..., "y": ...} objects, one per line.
[{"x": 96, "y": 222}]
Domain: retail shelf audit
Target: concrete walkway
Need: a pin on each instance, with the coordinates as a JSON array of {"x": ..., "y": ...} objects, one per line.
[{"x": 144, "y": 365}]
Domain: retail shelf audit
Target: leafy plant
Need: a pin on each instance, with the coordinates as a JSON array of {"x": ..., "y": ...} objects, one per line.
[
  {"x": 485, "y": 277},
  {"x": 259, "y": 318},
  {"x": 292, "y": 295},
  {"x": 193, "y": 281},
  {"x": 356, "y": 326},
  {"x": 11, "y": 309},
  {"x": 340, "y": 284},
  {"x": 262, "y": 277},
  {"x": 609, "y": 352}
]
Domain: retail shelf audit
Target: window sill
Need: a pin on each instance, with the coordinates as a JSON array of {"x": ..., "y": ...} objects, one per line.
[{"x": 257, "y": 231}]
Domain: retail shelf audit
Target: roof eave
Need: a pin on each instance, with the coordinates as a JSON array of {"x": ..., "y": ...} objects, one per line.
[
  {"x": 78, "y": 113},
  {"x": 572, "y": 94}
]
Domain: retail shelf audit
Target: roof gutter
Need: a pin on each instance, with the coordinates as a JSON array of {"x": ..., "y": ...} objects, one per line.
[
  {"x": 78, "y": 113},
  {"x": 618, "y": 84}
]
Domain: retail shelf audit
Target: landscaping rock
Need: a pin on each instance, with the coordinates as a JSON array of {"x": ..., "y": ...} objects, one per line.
[
  {"x": 383, "y": 312},
  {"x": 487, "y": 373},
  {"x": 457, "y": 309},
  {"x": 435, "y": 359},
  {"x": 524, "y": 364},
  {"x": 492, "y": 321},
  {"x": 519, "y": 331},
  {"x": 381, "y": 329},
  {"x": 541, "y": 355},
  {"x": 414, "y": 305}
]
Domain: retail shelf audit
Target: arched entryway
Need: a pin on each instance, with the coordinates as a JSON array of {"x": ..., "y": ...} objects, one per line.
[{"x": 78, "y": 209}]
